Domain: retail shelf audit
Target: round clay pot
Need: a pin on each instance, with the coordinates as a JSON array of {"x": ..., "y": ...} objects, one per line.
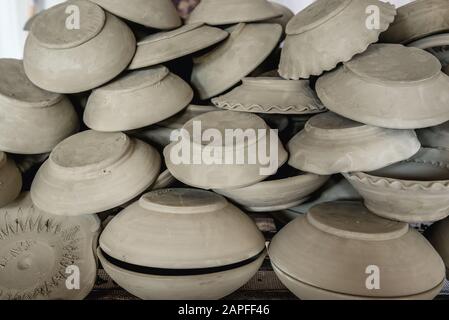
[
  {"x": 93, "y": 172},
  {"x": 438, "y": 236},
  {"x": 34, "y": 121},
  {"x": 172, "y": 241},
  {"x": 330, "y": 252},
  {"x": 40, "y": 251},
  {"x": 65, "y": 60},
  {"x": 10, "y": 180}
]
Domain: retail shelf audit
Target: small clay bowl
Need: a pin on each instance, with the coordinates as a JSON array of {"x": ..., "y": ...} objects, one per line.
[
  {"x": 93, "y": 172},
  {"x": 40, "y": 251},
  {"x": 331, "y": 252},
  {"x": 10, "y": 180},
  {"x": 59, "y": 59},
  {"x": 172, "y": 241},
  {"x": 438, "y": 236},
  {"x": 412, "y": 191}
]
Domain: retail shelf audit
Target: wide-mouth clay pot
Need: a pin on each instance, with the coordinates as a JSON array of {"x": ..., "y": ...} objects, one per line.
[
  {"x": 157, "y": 14},
  {"x": 34, "y": 121},
  {"x": 287, "y": 15},
  {"x": 67, "y": 59},
  {"x": 413, "y": 191},
  {"x": 218, "y": 12},
  {"x": 438, "y": 236},
  {"x": 93, "y": 172},
  {"x": 42, "y": 255},
  {"x": 332, "y": 144},
  {"x": 417, "y": 20},
  {"x": 171, "y": 242},
  {"x": 313, "y": 42},
  {"x": 271, "y": 95},
  {"x": 10, "y": 180},
  {"x": 225, "y": 150},
  {"x": 170, "y": 45},
  {"x": 136, "y": 100},
  {"x": 388, "y": 86},
  {"x": 435, "y": 137},
  {"x": 247, "y": 46},
  {"x": 438, "y": 45},
  {"x": 340, "y": 250},
  {"x": 286, "y": 189}
]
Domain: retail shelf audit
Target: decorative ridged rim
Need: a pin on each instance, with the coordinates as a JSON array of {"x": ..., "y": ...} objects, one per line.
[{"x": 268, "y": 108}]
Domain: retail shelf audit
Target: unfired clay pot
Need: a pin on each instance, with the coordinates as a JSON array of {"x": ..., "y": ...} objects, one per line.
[
  {"x": 10, "y": 180},
  {"x": 435, "y": 137},
  {"x": 330, "y": 254},
  {"x": 207, "y": 164},
  {"x": 314, "y": 36},
  {"x": 93, "y": 172},
  {"x": 438, "y": 45},
  {"x": 413, "y": 191},
  {"x": 287, "y": 15},
  {"x": 181, "y": 244},
  {"x": 218, "y": 12},
  {"x": 243, "y": 51},
  {"x": 438, "y": 235},
  {"x": 332, "y": 144},
  {"x": 69, "y": 60},
  {"x": 282, "y": 191},
  {"x": 40, "y": 251},
  {"x": 157, "y": 14},
  {"x": 271, "y": 95},
  {"x": 417, "y": 20},
  {"x": 138, "y": 99},
  {"x": 33, "y": 120},
  {"x": 389, "y": 86},
  {"x": 170, "y": 45}
]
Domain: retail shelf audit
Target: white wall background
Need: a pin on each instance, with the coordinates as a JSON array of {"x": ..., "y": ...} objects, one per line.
[{"x": 14, "y": 14}]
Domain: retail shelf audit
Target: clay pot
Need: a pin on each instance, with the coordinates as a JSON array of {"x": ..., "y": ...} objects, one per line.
[
  {"x": 63, "y": 60},
  {"x": 271, "y": 95},
  {"x": 10, "y": 180},
  {"x": 158, "y": 14},
  {"x": 171, "y": 242},
  {"x": 242, "y": 52},
  {"x": 39, "y": 251},
  {"x": 33, "y": 120},
  {"x": 214, "y": 170},
  {"x": 287, "y": 15},
  {"x": 218, "y": 12},
  {"x": 331, "y": 144},
  {"x": 413, "y": 191},
  {"x": 331, "y": 252},
  {"x": 417, "y": 20},
  {"x": 438, "y": 236},
  {"x": 388, "y": 86},
  {"x": 435, "y": 137},
  {"x": 436, "y": 45},
  {"x": 93, "y": 172},
  {"x": 170, "y": 45},
  {"x": 313, "y": 42},
  {"x": 138, "y": 99},
  {"x": 282, "y": 191}
]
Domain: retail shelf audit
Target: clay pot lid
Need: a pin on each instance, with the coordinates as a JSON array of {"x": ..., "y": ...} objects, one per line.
[
  {"x": 15, "y": 87},
  {"x": 287, "y": 14},
  {"x": 182, "y": 229},
  {"x": 351, "y": 220},
  {"x": 394, "y": 63},
  {"x": 179, "y": 120},
  {"x": 50, "y": 30},
  {"x": 170, "y": 34},
  {"x": 316, "y": 14}
]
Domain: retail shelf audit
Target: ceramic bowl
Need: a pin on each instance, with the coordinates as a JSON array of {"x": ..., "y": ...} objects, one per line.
[
  {"x": 157, "y": 14},
  {"x": 435, "y": 137},
  {"x": 417, "y": 20},
  {"x": 287, "y": 189},
  {"x": 287, "y": 15},
  {"x": 201, "y": 161},
  {"x": 34, "y": 121},
  {"x": 438, "y": 236},
  {"x": 10, "y": 180},
  {"x": 313, "y": 42},
  {"x": 271, "y": 95},
  {"x": 59, "y": 59},
  {"x": 39, "y": 251},
  {"x": 413, "y": 191},
  {"x": 331, "y": 252},
  {"x": 242, "y": 52},
  {"x": 218, "y": 12},
  {"x": 93, "y": 172},
  {"x": 438, "y": 45},
  {"x": 332, "y": 144},
  {"x": 170, "y": 45},
  {"x": 181, "y": 244},
  {"x": 136, "y": 100},
  {"x": 388, "y": 86}
]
